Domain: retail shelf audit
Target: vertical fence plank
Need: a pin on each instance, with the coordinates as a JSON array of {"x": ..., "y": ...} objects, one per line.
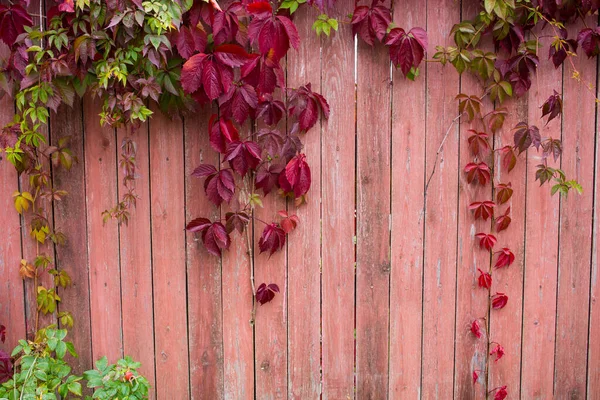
[
  {"x": 470, "y": 352},
  {"x": 440, "y": 213},
  {"x": 238, "y": 300},
  {"x": 505, "y": 324},
  {"x": 304, "y": 275},
  {"x": 70, "y": 218},
  {"x": 204, "y": 270},
  {"x": 270, "y": 342},
  {"x": 103, "y": 240},
  {"x": 541, "y": 254},
  {"x": 578, "y": 124},
  {"x": 168, "y": 256},
  {"x": 136, "y": 259},
  {"x": 12, "y": 306},
  {"x": 373, "y": 221},
  {"x": 408, "y": 175},
  {"x": 338, "y": 194},
  {"x": 593, "y": 373}
]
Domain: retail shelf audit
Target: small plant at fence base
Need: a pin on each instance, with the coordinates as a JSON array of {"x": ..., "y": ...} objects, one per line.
[
  {"x": 178, "y": 53},
  {"x": 39, "y": 371}
]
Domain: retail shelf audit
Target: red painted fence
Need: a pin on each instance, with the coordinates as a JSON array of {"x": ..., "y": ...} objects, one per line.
[{"x": 378, "y": 283}]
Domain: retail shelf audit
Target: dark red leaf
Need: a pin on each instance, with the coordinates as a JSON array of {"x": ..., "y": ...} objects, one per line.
[
  {"x": 214, "y": 235},
  {"x": 2, "y": 333},
  {"x": 503, "y": 221},
  {"x": 509, "y": 158},
  {"x": 475, "y": 377},
  {"x": 505, "y": 192},
  {"x": 482, "y": 209},
  {"x": 236, "y": 220},
  {"x": 243, "y": 156},
  {"x": 498, "y": 350},
  {"x": 288, "y": 222},
  {"x": 267, "y": 177},
  {"x": 371, "y": 23},
  {"x": 271, "y": 141},
  {"x": 486, "y": 241},
  {"x": 270, "y": 110},
  {"x": 67, "y": 6},
  {"x": 484, "y": 280},
  {"x": 552, "y": 147},
  {"x": 6, "y": 368},
  {"x": 526, "y": 136},
  {"x": 505, "y": 258},
  {"x": 478, "y": 173},
  {"x": 272, "y": 239},
  {"x": 189, "y": 40},
  {"x": 239, "y": 102},
  {"x": 220, "y": 187},
  {"x": 198, "y": 225},
  {"x": 13, "y": 20},
  {"x": 501, "y": 393},
  {"x": 296, "y": 176},
  {"x": 476, "y": 329},
  {"x": 478, "y": 143},
  {"x": 552, "y": 107},
  {"x": 407, "y": 49},
  {"x": 499, "y": 301},
  {"x": 264, "y": 73},
  {"x": 273, "y": 33},
  {"x": 589, "y": 39},
  {"x": 265, "y": 294},
  {"x": 221, "y": 132},
  {"x": 306, "y": 105}
]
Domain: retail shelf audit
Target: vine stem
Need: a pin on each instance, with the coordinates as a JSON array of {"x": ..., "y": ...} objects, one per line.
[
  {"x": 251, "y": 260},
  {"x": 439, "y": 150},
  {"x": 27, "y": 377}
]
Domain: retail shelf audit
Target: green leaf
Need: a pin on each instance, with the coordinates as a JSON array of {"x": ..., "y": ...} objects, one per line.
[{"x": 489, "y": 6}]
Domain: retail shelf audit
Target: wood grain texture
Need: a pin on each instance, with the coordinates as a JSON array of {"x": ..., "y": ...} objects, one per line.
[
  {"x": 373, "y": 262},
  {"x": 407, "y": 207},
  {"x": 578, "y": 125},
  {"x": 167, "y": 196},
  {"x": 338, "y": 222},
  {"x": 541, "y": 252},
  {"x": 304, "y": 274},
  {"x": 136, "y": 259},
  {"x": 12, "y": 294},
  {"x": 441, "y": 213},
  {"x": 505, "y": 324},
  {"x": 205, "y": 323},
  {"x": 103, "y": 239},
  {"x": 70, "y": 218}
]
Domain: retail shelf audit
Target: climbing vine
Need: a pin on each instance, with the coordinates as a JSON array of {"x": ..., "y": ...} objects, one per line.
[{"x": 182, "y": 54}]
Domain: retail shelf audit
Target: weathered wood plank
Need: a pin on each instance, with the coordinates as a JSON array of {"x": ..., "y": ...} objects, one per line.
[
  {"x": 205, "y": 323},
  {"x": 372, "y": 221},
  {"x": 70, "y": 218},
  {"x": 541, "y": 253},
  {"x": 103, "y": 240},
  {"x": 578, "y": 124},
  {"x": 441, "y": 212},
  {"x": 304, "y": 275},
  {"x": 12, "y": 305},
  {"x": 408, "y": 180},
  {"x": 338, "y": 219},
  {"x": 505, "y": 324},
  {"x": 167, "y": 194},
  {"x": 136, "y": 259}
]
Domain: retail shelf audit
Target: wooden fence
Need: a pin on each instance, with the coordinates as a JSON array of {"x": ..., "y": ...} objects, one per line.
[{"x": 379, "y": 281}]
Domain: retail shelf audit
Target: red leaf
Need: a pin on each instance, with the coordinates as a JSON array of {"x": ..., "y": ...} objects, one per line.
[
  {"x": 232, "y": 55},
  {"x": 509, "y": 158},
  {"x": 478, "y": 173},
  {"x": 220, "y": 187},
  {"x": 288, "y": 222},
  {"x": 407, "y": 49},
  {"x": 499, "y": 301},
  {"x": 265, "y": 294},
  {"x": 485, "y": 279},
  {"x": 478, "y": 143},
  {"x": 221, "y": 132},
  {"x": 13, "y": 20},
  {"x": 503, "y": 221},
  {"x": 67, "y": 6},
  {"x": 272, "y": 239},
  {"x": 483, "y": 209},
  {"x": 243, "y": 156},
  {"x": 189, "y": 40},
  {"x": 305, "y": 105},
  {"x": 476, "y": 329},
  {"x": 273, "y": 33},
  {"x": 526, "y": 136},
  {"x": 236, "y": 220},
  {"x": 552, "y": 107},
  {"x": 505, "y": 258},
  {"x": 238, "y": 102},
  {"x": 589, "y": 39},
  {"x": 6, "y": 367},
  {"x": 297, "y": 176},
  {"x": 270, "y": 110},
  {"x": 486, "y": 241},
  {"x": 501, "y": 393},
  {"x": 505, "y": 192},
  {"x": 260, "y": 8},
  {"x": 264, "y": 73},
  {"x": 2, "y": 333},
  {"x": 498, "y": 350},
  {"x": 214, "y": 234},
  {"x": 198, "y": 225},
  {"x": 475, "y": 377},
  {"x": 371, "y": 23},
  {"x": 267, "y": 177}
]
